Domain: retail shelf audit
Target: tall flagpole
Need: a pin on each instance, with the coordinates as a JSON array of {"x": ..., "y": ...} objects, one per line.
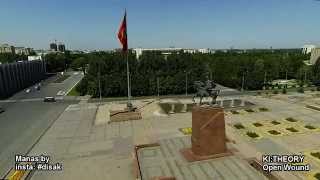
[{"x": 128, "y": 69}]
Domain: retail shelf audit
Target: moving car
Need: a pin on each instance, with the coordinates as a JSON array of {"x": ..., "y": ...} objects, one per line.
[{"x": 49, "y": 99}]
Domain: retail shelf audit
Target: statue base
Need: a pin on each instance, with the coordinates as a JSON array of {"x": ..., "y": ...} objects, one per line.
[
  {"x": 208, "y": 138},
  {"x": 191, "y": 157},
  {"x": 124, "y": 115}
]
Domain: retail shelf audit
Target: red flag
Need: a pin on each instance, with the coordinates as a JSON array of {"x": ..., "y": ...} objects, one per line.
[{"x": 122, "y": 34}]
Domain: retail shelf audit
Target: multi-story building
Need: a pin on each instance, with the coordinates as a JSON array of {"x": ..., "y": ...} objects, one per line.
[
  {"x": 167, "y": 51},
  {"x": 315, "y": 55},
  {"x": 61, "y": 47},
  {"x": 306, "y": 49},
  {"x": 53, "y": 46},
  {"x": 6, "y": 48},
  {"x": 23, "y": 50}
]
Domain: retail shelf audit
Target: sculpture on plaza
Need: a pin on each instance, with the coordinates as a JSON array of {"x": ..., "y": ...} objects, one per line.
[{"x": 206, "y": 89}]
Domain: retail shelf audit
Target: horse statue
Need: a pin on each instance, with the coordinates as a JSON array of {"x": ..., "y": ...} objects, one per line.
[{"x": 206, "y": 89}]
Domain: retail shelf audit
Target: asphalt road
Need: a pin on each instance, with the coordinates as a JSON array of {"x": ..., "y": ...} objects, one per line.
[
  {"x": 50, "y": 88},
  {"x": 27, "y": 117}
]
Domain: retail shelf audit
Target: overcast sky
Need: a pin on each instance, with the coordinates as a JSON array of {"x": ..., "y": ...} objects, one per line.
[{"x": 84, "y": 24}]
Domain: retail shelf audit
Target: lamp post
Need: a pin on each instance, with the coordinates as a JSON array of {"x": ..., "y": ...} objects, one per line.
[
  {"x": 158, "y": 87},
  {"x": 99, "y": 75},
  {"x": 186, "y": 83}
]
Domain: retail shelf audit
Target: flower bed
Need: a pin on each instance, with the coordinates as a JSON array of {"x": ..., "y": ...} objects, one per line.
[
  {"x": 275, "y": 122},
  {"x": 252, "y": 134},
  {"x": 257, "y": 124},
  {"x": 291, "y": 129},
  {"x": 291, "y": 119},
  {"x": 274, "y": 132},
  {"x": 239, "y": 126}
]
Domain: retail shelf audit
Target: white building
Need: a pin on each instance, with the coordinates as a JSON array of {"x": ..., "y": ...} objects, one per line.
[
  {"x": 33, "y": 58},
  {"x": 168, "y": 51},
  {"x": 315, "y": 55},
  {"x": 6, "y": 48},
  {"x": 306, "y": 49}
]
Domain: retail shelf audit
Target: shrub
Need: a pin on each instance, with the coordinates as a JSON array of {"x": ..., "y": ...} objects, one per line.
[
  {"x": 275, "y": 92},
  {"x": 275, "y": 122},
  {"x": 284, "y": 91},
  {"x": 318, "y": 88},
  {"x": 300, "y": 90},
  {"x": 312, "y": 89},
  {"x": 290, "y": 119},
  {"x": 234, "y": 112},
  {"x": 315, "y": 154},
  {"x": 263, "y": 109},
  {"x": 252, "y": 134},
  {"x": 274, "y": 132},
  {"x": 239, "y": 126},
  {"x": 310, "y": 127},
  {"x": 291, "y": 129},
  {"x": 249, "y": 110},
  {"x": 317, "y": 176},
  {"x": 257, "y": 124}
]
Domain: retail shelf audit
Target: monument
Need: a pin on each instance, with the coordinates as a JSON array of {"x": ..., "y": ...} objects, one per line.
[{"x": 208, "y": 138}]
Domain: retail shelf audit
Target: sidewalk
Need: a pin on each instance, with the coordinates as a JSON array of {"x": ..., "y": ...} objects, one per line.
[{"x": 98, "y": 152}]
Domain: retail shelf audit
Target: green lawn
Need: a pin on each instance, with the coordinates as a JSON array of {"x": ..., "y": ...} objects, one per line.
[{"x": 74, "y": 92}]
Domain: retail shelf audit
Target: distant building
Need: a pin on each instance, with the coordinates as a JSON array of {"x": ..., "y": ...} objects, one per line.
[
  {"x": 53, "y": 47},
  {"x": 6, "y": 48},
  {"x": 306, "y": 49},
  {"x": 168, "y": 51},
  {"x": 33, "y": 58},
  {"x": 22, "y": 50},
  {"x": 315, "y": 55},
  {"x": 61, "y": 47}
]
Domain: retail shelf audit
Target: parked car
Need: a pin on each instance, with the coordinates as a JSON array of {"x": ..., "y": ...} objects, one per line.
[
  {"x": 49, "y": 99},
  {"x": 1, "y": 110}
]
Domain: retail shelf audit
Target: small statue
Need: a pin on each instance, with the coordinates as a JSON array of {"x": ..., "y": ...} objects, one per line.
[{"x": 206, "y": 89}]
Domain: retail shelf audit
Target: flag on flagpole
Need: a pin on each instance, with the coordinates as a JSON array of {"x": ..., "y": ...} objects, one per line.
[{"x": 122, "y": 34}]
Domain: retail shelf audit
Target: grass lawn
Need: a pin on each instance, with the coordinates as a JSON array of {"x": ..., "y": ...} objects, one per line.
[
  {"x": 61, "y": 78},
  {"x": 73, "y": 92}
]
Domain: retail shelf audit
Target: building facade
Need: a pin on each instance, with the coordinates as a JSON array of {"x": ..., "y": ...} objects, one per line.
[
  {"x": 61, "y": 47},
  {"x": 53, "y": 47},
  {"x": 23, "y": 50},
  {"x": 6, "y": 48},
  {"x": 306, "y": 49},
  {"x": 315, "y": 55}
]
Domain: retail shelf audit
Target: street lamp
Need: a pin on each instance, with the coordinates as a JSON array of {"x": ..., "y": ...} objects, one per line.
[
  {"x": 158, "y": 87},
  {"x": 186, "y": 82}
]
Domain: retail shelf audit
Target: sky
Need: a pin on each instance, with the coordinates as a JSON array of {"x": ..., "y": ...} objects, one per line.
[{"x": 218, "y": 24}]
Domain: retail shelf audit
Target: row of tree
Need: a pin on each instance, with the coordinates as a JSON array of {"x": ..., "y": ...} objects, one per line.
[
  {"x": 10, "y": 58},
  {"x": 250, "y": 70}
]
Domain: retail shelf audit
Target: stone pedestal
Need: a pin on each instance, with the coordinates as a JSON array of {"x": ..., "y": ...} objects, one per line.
[
  {"x": 242, "y": 104},
  {"x": 172, "y": 109},
  {"x": 184, "y": 108},
  {"x": 232, "y": 103},
  {"x": 208, "y": 134}
]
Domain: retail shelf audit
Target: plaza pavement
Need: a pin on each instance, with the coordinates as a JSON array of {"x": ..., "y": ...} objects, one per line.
[{"x": 104, "y": 151}]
